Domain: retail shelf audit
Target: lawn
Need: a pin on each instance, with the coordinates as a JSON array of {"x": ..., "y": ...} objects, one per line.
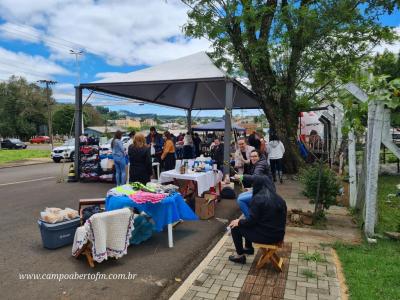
[
  {"x": 15, "y": 155},
  {"x": 373, "y": 271}
]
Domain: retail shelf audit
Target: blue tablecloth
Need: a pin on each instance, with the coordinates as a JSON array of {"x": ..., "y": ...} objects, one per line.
[{"x": 168, "y": 211}]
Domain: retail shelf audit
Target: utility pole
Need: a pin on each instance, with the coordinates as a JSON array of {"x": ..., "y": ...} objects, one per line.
[
  {"x": 50, "y": 118},
  {"x": 78, "y": 53}
]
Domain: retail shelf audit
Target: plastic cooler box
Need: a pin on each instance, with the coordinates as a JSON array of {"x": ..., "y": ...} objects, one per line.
[{"x": 58, "y": 234}]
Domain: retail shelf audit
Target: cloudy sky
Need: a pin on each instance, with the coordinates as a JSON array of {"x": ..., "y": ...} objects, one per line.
[{"x": 116, "y": 36}]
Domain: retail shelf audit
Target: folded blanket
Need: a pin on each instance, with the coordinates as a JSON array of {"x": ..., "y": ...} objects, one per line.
[
  {"x": 143, "y": 197},
  {"x": 109, "y": 232}
]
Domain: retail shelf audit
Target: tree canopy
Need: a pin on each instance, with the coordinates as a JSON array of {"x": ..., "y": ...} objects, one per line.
[
  {"x": 23, "y": 108},
  {"x": 289, "y": 50}
]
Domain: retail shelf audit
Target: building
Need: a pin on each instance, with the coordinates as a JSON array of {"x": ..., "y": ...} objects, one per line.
[
  {"x": 98, "y": 131},
  {"x": 250, "y": 127},
  {"x": 128, "y": 122},
  {"x": 149, "y": 122}
]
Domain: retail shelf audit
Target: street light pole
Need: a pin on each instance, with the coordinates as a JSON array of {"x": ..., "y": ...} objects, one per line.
[{"x": 49, "y": 118}]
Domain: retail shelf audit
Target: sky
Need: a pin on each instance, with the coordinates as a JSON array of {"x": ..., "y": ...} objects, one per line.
[{"x": 36, "y": 38}]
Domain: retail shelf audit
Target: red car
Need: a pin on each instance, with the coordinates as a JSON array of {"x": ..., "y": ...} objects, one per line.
[{"x": 40, "y": 140}]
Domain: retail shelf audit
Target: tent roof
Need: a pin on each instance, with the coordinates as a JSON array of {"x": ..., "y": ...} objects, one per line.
[
  {"x": 216, "y": 126},
  {"x": 190, "y": 82}
]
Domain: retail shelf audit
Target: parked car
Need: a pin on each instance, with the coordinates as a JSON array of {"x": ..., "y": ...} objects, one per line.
[
  {"x": 67, "y": 150},
  {"x": 13, "y": 144},
  {"x": 106, "y": 148},
  {"x": 40, "y": 140}
]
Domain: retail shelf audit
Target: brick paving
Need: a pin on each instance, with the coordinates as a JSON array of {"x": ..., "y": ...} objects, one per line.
[
  {"x": 301, "y": 279},
  {"x": 267, "y": 283}
]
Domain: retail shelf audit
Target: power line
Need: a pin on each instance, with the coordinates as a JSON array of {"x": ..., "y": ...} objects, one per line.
[{"x": 56, "y": 41}]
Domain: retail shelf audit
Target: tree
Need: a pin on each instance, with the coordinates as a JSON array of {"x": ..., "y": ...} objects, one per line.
[
  {"x": 63, "y": 119},
  {"x": 387, "y": 63},
  {"x": 282, "y": 45},
  {"x": 23, "y": 108}
]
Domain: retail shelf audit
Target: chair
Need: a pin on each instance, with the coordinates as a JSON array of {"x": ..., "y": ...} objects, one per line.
[
  {"x": 268, "y": 253},
  {"x": 104, "y": 235}
]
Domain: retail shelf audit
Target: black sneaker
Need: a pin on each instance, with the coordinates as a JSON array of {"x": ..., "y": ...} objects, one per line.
[
  {"x": 248, "y": 251},
  {"x": 239, "y": 260}
]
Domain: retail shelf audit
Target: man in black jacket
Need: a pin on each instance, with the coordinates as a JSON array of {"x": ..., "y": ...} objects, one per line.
[{"x": 266, "y": 223}]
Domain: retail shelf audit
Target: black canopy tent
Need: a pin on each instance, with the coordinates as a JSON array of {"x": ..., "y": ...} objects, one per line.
[{"x": 193, "y": 82}]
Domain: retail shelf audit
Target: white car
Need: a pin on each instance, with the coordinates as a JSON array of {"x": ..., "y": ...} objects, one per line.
[
  {"x": 67, "y": 150},
  {"x": 106, "y": 148}
]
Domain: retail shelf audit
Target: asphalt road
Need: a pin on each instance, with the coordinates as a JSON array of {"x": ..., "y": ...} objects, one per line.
[{"x": 25, "y": 191}]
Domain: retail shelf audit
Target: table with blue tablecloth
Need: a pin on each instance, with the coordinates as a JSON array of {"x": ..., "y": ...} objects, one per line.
[{"x": 170, "y": 210}]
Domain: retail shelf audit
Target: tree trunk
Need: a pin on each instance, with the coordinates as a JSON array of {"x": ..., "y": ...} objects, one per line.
[{"x": 284, "y": 123}]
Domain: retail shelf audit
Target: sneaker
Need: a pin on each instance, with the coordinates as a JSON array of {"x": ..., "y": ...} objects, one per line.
[{"x": 239, "y": 260}]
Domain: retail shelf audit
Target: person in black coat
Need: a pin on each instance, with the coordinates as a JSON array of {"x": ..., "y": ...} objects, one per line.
[
  {"x": 217, "y": 153},
  {"x": 266, "y": 223},
  {"x": 140, "y": 160}
]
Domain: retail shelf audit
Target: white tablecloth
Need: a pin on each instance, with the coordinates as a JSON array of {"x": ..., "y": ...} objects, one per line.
[{"x": 205, "y": 180}]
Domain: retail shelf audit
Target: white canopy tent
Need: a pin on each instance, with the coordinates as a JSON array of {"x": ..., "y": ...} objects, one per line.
[{"x": 193, "y": 82}]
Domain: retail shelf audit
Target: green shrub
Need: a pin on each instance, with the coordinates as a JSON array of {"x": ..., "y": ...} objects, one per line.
[{"x": 329, "y": 186}]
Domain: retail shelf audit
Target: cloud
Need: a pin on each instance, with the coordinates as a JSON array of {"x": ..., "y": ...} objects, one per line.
[
  {"x": 32, "y": 67},
  {"x": 125, "y": 32},
  {"x": 393, "y": 47}
]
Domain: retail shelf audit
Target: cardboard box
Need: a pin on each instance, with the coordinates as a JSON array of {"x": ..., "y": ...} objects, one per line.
[{"x": 205, "y": 206}]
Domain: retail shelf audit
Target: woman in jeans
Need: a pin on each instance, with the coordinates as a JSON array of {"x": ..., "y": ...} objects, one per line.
[{"x": 118, "y": 153}]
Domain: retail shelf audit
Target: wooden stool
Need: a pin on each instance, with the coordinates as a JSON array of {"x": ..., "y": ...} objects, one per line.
[{"x": 268, "y": 253}]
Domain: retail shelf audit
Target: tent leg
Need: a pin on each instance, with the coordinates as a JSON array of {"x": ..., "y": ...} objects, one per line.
[
  {"x": 78, "y": 129},
  {"x": 189, "y": 120},
  {"x": 228, "y": 125}
]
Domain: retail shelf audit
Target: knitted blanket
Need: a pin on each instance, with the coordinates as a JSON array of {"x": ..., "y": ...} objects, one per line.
[{"x": 109, "y": 232}]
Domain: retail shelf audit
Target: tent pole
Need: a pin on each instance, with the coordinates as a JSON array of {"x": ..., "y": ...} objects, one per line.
[
  {"x": 189, "y": 120},
  {"x": 228, "y": 125},
  {"x": 78, "y": 129}
]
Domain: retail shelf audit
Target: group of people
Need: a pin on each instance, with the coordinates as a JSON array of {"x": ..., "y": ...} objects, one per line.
[
  {"x": 141, "y": 149},
  {"x": 263, "y": 209},
  {"x": 268, "y": 155}
]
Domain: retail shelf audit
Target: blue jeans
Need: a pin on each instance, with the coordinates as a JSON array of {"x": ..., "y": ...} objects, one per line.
[
  {"x": 120, "y": 174},
  {"x": 244, "y": 200}
]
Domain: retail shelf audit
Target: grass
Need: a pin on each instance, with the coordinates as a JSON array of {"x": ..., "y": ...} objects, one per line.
[
  {"x": 15, "y": 155},
  {"x": 316, "y": 256},
  {"x": 308, "y": 273},
  {"x": 388, "y": 207},
  {"x": 372, "y": 271}
]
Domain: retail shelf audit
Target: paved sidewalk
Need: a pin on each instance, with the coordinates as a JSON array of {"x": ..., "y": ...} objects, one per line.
[
  {"x": 309, "y": 269},
  {"x": 301, "y": 279}
]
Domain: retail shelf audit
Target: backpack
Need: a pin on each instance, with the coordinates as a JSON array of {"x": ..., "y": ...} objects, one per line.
[{"x": 228, "y": 193}]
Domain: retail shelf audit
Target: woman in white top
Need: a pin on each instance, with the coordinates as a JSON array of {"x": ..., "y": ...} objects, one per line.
[{"x": 275, "y": 154}]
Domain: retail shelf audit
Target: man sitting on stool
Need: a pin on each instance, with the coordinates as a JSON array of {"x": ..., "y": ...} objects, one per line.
[{"x": 266, "y": 222}]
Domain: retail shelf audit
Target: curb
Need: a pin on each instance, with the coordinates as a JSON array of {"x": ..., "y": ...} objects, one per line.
[
  {"x": 180, "y": 292},
  {"x": 24, "y": 164}
]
